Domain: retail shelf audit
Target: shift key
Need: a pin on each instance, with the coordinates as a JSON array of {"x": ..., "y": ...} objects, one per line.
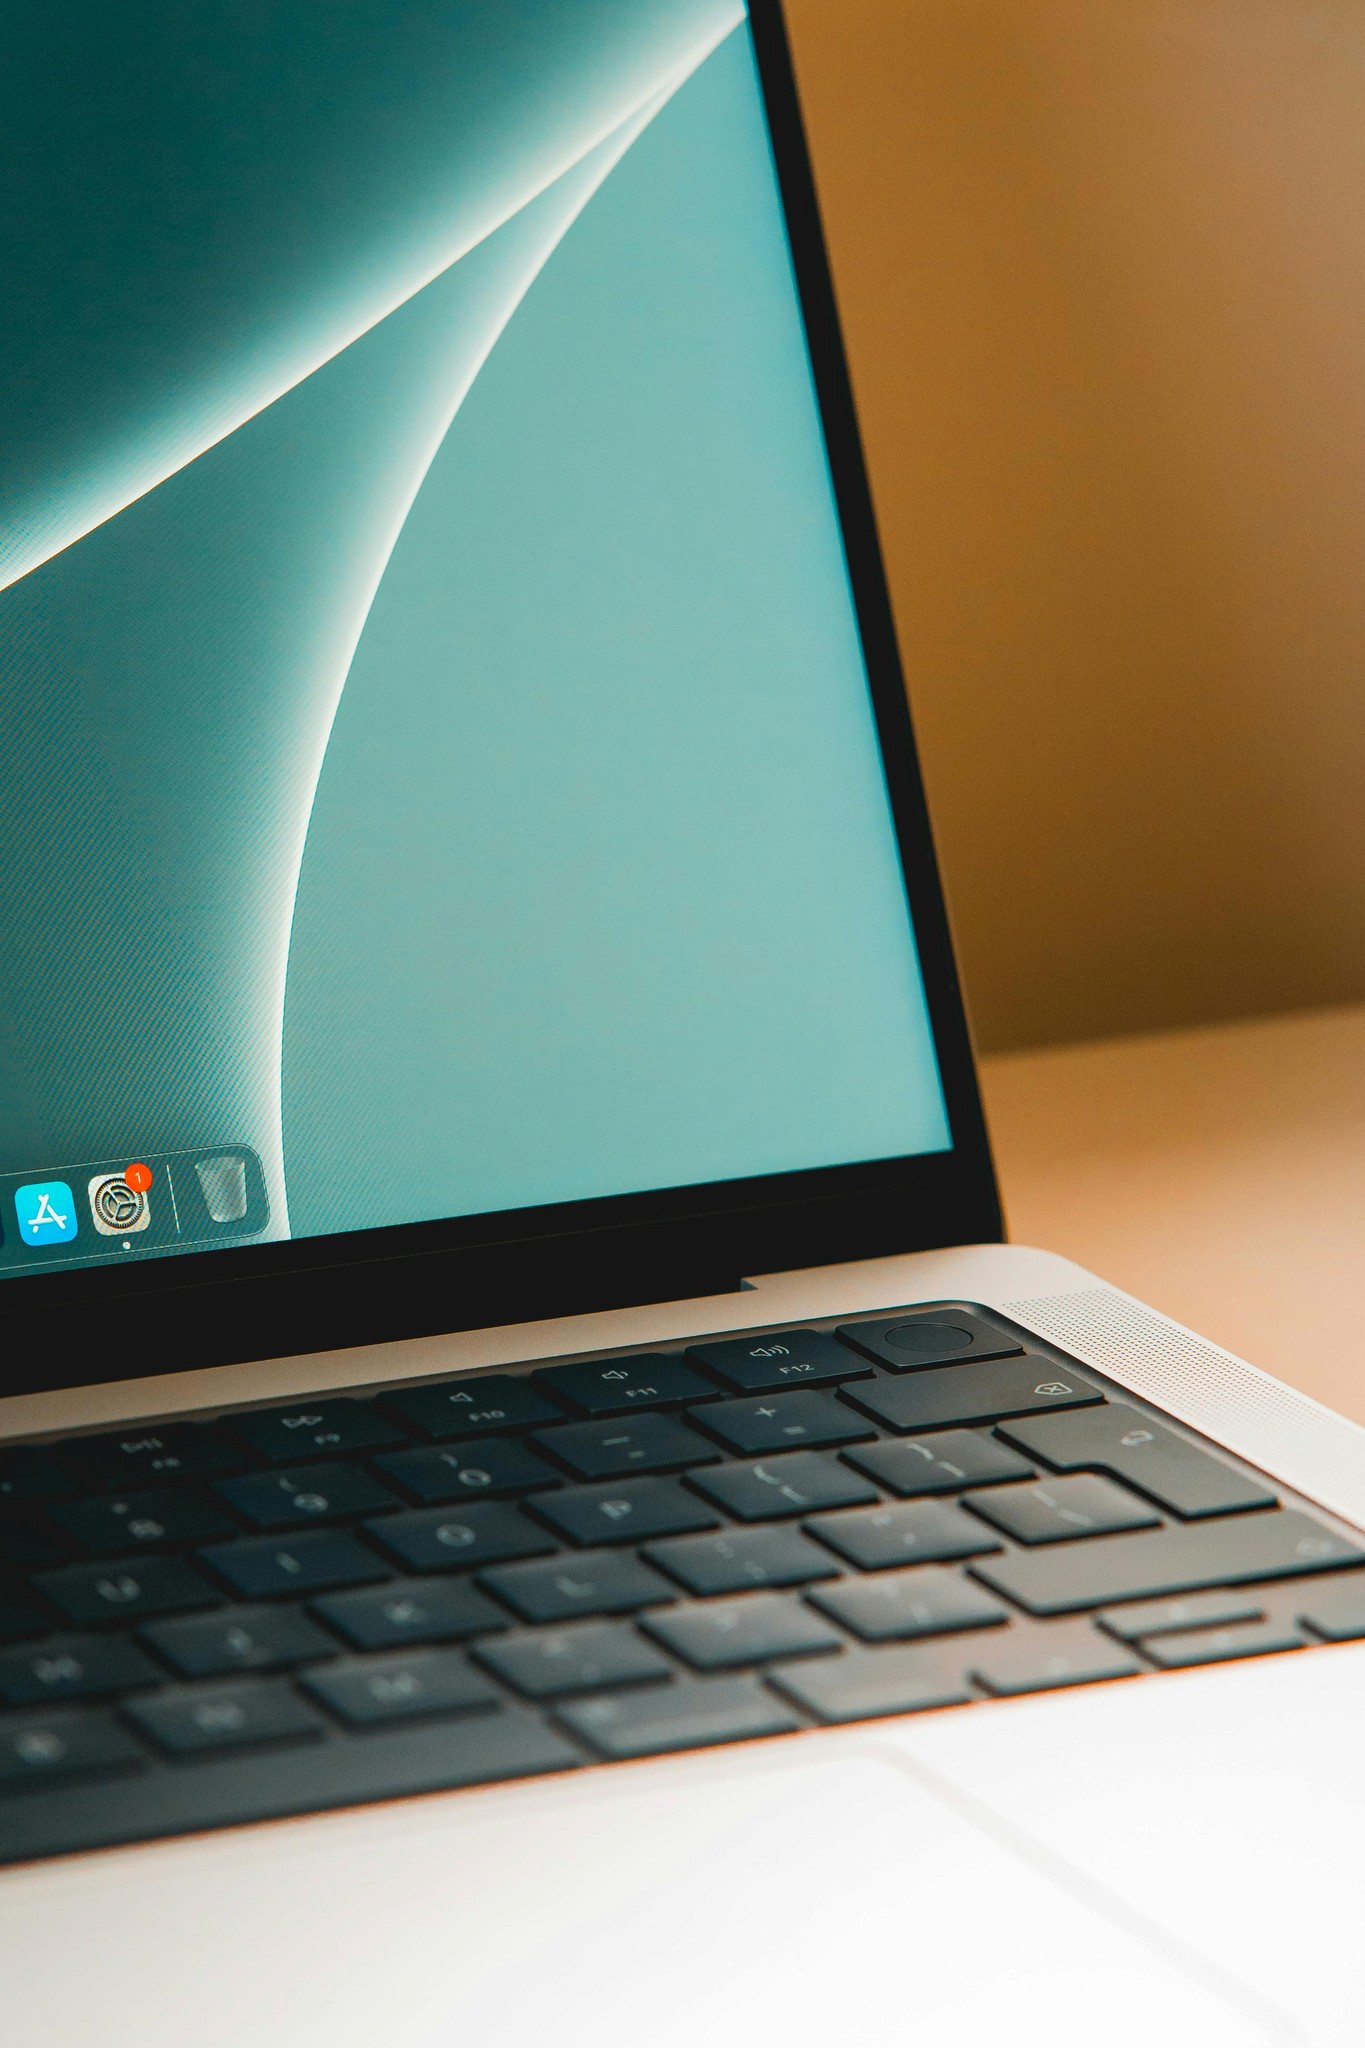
[
  {"x": 1068, "y": 1577},
  {"x": 973, "y": 1393}
]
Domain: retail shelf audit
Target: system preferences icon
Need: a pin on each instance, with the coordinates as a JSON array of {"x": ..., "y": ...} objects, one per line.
[
  {"x": 116, "y": 1205},
  {"x": 46, "y": 1210}
]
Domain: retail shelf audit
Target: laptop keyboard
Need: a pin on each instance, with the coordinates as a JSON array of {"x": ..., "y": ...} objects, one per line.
[{"x": 318, "y": 1604}]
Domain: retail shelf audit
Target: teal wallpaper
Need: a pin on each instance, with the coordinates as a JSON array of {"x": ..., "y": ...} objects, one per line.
[{"x": 435, "y": 745}]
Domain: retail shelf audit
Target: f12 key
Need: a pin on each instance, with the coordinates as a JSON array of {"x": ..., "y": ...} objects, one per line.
[{"x": 784, "y": 1358}]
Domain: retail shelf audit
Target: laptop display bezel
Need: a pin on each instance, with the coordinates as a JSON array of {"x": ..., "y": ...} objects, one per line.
[{"x": 78, "y": 1327}]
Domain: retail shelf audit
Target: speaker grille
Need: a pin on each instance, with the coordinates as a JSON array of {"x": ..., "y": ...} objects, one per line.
[{"x": 1284, "y": 1432}]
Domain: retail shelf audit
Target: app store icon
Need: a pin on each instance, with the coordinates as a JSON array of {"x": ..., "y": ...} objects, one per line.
[{"x": 46, "y": 1210}]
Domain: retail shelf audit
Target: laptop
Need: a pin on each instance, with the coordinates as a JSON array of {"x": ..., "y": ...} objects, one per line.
[{"x": 537, "y": 1505}]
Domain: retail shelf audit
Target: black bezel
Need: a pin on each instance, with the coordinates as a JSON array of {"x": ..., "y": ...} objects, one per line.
[{"x": 312, "y": 1294}]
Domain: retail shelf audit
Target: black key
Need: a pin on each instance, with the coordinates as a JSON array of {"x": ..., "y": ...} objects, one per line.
[
  {"x": 258, "y": 1784},
  {"x": 313, "y": 1493},
  {"x": 692, "y": 1713},
  {"x": 368, "y": 1690},
  {"x": 410, "y": 1611},
  {"x": 1072, "y": 1576},
  {"x": 615, "y": 1386},
  {"x": 863, "y": 1684},
  {"x": 630, "y": 1511},
  {"x": 908, "y": 1343},
  {"x": 563, "y": 1588},
  {"x": 34, "y": 1752},
  {"x": 453, "y": 1410},
  {"x": 783, "y": 1422},
  {"x": 1060, "y": 1510},
  {"x": 791, "y": 1485},
  {"x": 188, "y": 1720},
  {"x": 260, "y": 1566},
  {"x": 972, "y": 1393},
  {"x": 485, "y": 1469},
  {"x": 29, "y": 1539},
  {"x": 790, "y": 1358},
  {"x": 909, "y": 1532},
  {"x": 928, "y": 1601},
  {"x": 315, "y": 1429},
  {"x": 115, "y": 1522},
  {"x": 944, "y": 1463},
  {"x": 751, "y": 1629},
  {"x": 546, "y": 1663},
  {"x": 238, "y": 1639},
  {"x": 1167, "y": 1617},
  {"x": 1035, "y": 1660},
  {"x": 637, "y": 1443},
  {"x": 438, "y": 1540},
  {"x": 126, "y": 1589},
  {"x": 1221, "y": 1645},
  {"x": 772, "y": 1554},
  {"x": 146, "y": 1457},
  {"x": 19, "y": 1620},
  {"x": 33, "y": 1472},
  {"x": 1336, "y": 1611},
  {"x": 471, "y": 1407},
  {"x": 1122, "y": 1440},
  {"x": 72, "y": 1668}
]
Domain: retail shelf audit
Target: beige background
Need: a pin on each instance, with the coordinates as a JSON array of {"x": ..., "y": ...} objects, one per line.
[
  {"x": 1102, "y": 265},
  {"x": 1217, "y": 1173}
]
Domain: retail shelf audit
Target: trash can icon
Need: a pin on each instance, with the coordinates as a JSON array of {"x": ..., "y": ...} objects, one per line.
[{"x": 223, "y": 1180}]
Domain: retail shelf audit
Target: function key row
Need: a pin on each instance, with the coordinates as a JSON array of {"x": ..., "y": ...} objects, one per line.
[
  {"x": 492, "y": 1404},
  {"x": 497, "y": 1404}
]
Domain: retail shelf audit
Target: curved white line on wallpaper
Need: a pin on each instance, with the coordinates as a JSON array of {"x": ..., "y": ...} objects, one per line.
[
  {"x": 137, "y": 480},
  {"x": 595, "y": 167}
]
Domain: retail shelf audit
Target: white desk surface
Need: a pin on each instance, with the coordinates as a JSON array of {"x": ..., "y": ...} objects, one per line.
[{"x": 1218, "y": 1173}]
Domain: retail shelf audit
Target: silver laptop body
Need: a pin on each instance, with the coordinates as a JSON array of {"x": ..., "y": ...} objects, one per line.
[{"x": 535, "y": 1504}]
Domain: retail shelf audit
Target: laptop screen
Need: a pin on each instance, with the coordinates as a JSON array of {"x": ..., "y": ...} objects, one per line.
[{"x": 437, "y": 754}]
